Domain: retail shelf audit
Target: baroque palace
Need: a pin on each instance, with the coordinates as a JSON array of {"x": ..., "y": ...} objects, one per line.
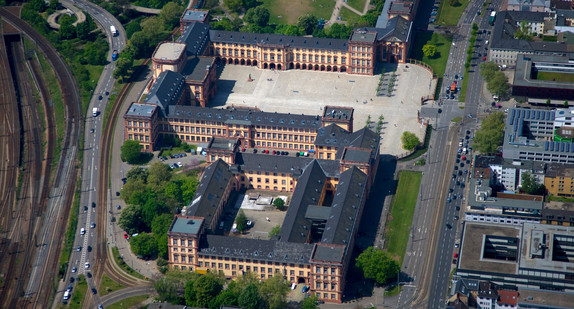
[{"x": 328, "y": 188}]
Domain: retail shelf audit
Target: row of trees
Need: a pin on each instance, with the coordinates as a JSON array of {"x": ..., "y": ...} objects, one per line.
[
  {"x": 496, "y": 81},
  {"x": 209, "y": 291},
  {"x": 153, "y": 195}
]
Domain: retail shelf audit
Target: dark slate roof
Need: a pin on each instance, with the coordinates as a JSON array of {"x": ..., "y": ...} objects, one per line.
[
  {"x": 345, "y": 208},
  {"x": 195, "y": 36},
  {"x": 503, "y": 36},
  {"x": 250, "y": 117},
  {"x": 141, "y": 110},
  {"x": 221, "y": 36},
  {"x": 196, "y": 68},
  {"x": 397, "y": 29},
  {"x": 288, "y": 165},
  {"x": 191, "y": 15},
  {"x": 357, "y": 155},
  {"x": 335, "y": 136},
  {"x": 486, "y": 161},
  {"x": 209, "y": 191},
  {"x": 166, "y": 90},
  {"x": 307, "y": 192},
  {"x": 256, "y": 249},
  {"x": 527, "y": 16},
  {"x": 329, "y": 253}
]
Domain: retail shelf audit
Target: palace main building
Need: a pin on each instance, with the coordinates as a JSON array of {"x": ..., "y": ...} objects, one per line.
[{"x": 252, "y": 149}]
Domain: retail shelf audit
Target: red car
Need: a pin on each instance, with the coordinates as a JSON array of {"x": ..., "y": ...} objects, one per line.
[
  {"x": 455, "y": 255},
  {"x": 126, "y": 235}
]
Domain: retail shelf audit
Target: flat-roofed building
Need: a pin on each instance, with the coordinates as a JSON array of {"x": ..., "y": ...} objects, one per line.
[
  {"x": 528, "y": 82},
  {"x": 559, "y": 179},
  {"x": 341, "y": 116},
  {"x": 191, "y": 16},
  {"x": 168, "y": 56},
  {"x": 530, "y": 256}
]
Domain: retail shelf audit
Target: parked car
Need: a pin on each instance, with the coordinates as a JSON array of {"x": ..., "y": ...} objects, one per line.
[
  {"x": 82, "y": 231},
  {"x": 74, "y": 269}
]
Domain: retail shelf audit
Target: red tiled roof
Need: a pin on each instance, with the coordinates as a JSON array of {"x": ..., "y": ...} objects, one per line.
[{"x": 508, "y": 297}]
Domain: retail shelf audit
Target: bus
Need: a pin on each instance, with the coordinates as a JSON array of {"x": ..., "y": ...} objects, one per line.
[
  {"x": 492, "y": 18},
  {"x": 114, "y": 31}
]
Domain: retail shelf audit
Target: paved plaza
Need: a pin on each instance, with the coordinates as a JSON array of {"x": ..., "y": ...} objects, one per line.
[{"x": 307, "y": 92}]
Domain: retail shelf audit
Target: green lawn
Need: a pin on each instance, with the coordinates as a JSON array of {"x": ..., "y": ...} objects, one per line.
[
  {"x": 348, "y": 15},
  {"x": 128, "y": 302},
  {"x": 287, "y": 11},
  {"x": 120, "y": 261},
  {"x": 438, "y": 61},
  {"x": 555, "y": 76},
  {"x": 108, "y": 285},
  {"x": 398, "y": 227},
  {"x": 358, "y": 5},
  {"x": 449, "y": 15}
]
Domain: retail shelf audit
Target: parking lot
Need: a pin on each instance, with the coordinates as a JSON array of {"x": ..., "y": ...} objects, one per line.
[{"x": 307, "y": 92}]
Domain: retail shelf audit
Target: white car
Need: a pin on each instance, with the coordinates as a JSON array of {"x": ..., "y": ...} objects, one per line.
[
  {"x": 74, "y": 269},
  {"x": 82, "y": 231},
  {"x": 87, "y": 265},
  {"x": 179, "y": 164}
]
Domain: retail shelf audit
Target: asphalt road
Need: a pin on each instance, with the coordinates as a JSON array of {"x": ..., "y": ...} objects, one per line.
[
  {"x": 451, "y": 227},
  {"x": 94, "y": 127}
]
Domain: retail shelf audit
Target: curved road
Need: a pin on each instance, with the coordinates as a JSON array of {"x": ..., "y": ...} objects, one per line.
[{"x": 93, "y": 125}]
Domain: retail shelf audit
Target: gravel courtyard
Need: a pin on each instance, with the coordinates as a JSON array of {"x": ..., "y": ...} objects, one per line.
[{"x": 307, "y": 92}]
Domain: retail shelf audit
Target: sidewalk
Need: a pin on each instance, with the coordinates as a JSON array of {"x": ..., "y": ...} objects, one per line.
[{"x": 118, "y": 171}]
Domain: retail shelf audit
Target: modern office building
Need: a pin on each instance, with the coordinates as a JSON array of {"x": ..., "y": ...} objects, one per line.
[
  {"x": 507, "y": 174},
  {"x": 530, "y": 256},
  {"x": 539, "y": 135},
  {"x": 535, "y": 77}
]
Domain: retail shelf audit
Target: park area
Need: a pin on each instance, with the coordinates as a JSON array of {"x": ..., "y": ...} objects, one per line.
[
  {"x": 442, "y": 43},
  {"x": 555, "y": 76},
  {"x": 448, "y": 14},
  {"x": 402, "y": 209},
  {"x": 286, "y": 12}
]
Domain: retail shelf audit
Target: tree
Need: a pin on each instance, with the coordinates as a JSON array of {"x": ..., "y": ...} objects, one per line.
[
  {"x": 94, "y": 54},
  {"x": 144, "y": 245},
  {"x": 241, "y": 221},
  {"x": 250, "y": 3},
  {"x": 131, "y": 219},
  {"x": 250, "y": 298},
  {"x": 279, "y": 203},
  {"x": 170, "y": 14},
  {"x": 498, "y": 84},
  {"x": 548, "y": 102},
  {"x": 410, "y": 141},
  {"x": 132, "y": 27},
  {"x": 491, "y": 133},
  {"x": 131, "y": 151},
  {"x": 309, "y": 303},
  {"x": 153, "y": 27},
  {"x": 307, "y": 23},
  {"x": 523, "y": 32},
  {"x": 454, "y": 2},
  {"x": 159, "y": 175},
  {"x": 152, "y": 208},
  {"x": 167, "y": 289},
  {"x": 565, "y": 104},
  {"x": 123, "y": 68},
  {"x": 137, "y": 173},
  {"x": 206, "y": 288},
  {"x": 429, "y": 50},
  {"x": 275, "y": 290},
  {"x": 377, "y": 265},
  {"x": 233, "y": 5},
  {"x": 141, "y": 43},
  {"x": 258, "y": 16},
  {"x": 530, "y": 184},
  {"x": 67, "y": 29},
  {"x": 226, "y": 298},
  {"x": 488, "y": 69},
  {"x": 133, "y": 191},
  {"x": 275, "y": 231}
]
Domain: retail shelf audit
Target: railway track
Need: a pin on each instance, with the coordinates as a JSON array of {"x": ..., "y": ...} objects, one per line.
[{"x": 42, "y": 264}]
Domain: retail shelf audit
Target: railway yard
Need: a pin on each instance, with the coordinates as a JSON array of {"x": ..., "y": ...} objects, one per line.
[{"x": 34, "y": 199}]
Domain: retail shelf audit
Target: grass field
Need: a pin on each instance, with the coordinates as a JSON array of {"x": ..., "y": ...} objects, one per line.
[
  {"x": 128, "y": 302},
  {"x": 108, "y": 285},
  {"x": 287, "y": 12},
  {"x": 449, "y": 15},
  {"x": 402, "y": 209},
  {"x": 348, "y": 15},
  {"x": 438, "y": 61},
  {"x": 555, "y": 76},
  {"x": 358, "y": 5}
]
